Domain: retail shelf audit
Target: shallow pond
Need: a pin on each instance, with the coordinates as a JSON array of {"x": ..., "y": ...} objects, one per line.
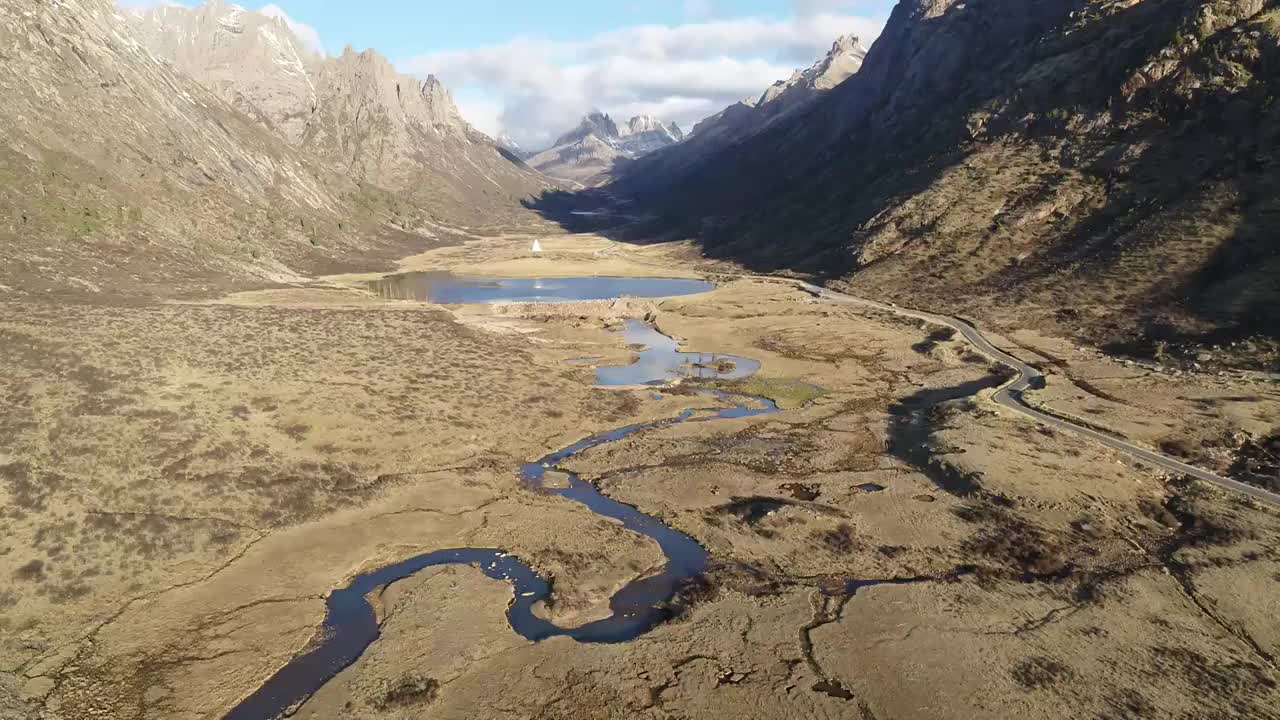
[
  {"x": 446, "y": 288},
  {"x": 660, "y": 361}
]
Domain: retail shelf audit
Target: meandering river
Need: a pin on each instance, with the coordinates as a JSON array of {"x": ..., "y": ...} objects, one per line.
[{"x": 350, "y": 625}]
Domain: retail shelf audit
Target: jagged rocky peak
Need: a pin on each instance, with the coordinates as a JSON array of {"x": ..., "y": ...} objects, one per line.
[
  {"x": 595, "y": 123},
  {"x": 442, "y": 111},
  {"x": 365, "y": 85},
  {"x": 592, "y": 147},
  {"x": 644, "y": 134},
  {"x": 251, "y": 60},
  {"x": 258, "y": 63},
  {"x": 844, "y": 59},
  {"x": 218, "y": 31},
  {"x": 370, "y": 73},
  {"x": 644, "y": 123},
  {"x": 353, "y": 110},
  {"x": 603, "y": 127},
  {"x": 601, "y": 123},
  {"x": 435, "y": 91},
  {"x": 841, "y": 62}
]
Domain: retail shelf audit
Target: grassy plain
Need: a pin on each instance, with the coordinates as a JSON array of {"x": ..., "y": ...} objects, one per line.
[{"x": 184, "y": 482}]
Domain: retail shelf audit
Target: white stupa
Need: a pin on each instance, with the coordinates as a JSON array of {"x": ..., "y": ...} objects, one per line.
[{"x": 537, "y": 246}]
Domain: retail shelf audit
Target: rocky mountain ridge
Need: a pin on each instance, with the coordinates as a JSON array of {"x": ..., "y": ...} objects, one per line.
[
  {"x": 748, "y": 116},
  {"x": 372, "y": 123},
  {"x": 591, "y": 149},
  {"x": 253, "y": 61}
]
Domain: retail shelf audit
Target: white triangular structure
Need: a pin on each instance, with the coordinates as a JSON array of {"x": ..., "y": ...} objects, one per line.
[{"x": 537, "y": 246}]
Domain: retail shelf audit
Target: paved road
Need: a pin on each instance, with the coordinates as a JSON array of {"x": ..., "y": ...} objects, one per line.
[{"x": 1010, "y": 395}]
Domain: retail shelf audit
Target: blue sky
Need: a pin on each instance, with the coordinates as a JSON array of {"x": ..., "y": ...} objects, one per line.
[
  {"x": 529, "y": 70},
  {"x": 400, "y": 28}
]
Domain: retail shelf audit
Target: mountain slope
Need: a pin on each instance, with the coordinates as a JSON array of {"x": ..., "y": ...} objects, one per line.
[
  {"x": 122, "y": 176},
  {"x": 369, "y": 122},
  {"x": 1105, "y": 169}
]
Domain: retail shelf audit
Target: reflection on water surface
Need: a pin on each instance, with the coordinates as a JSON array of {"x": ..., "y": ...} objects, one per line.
[{"x": 448, "y": 289}]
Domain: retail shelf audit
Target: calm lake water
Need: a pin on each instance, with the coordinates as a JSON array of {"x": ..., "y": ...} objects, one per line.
[{"x": 446, "y": 288}]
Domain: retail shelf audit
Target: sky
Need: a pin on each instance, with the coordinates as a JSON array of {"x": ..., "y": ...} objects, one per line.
[{"x": 530, "y": 70}]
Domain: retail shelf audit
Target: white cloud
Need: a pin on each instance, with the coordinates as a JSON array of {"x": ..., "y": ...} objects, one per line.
[
  {"x": 307, "y": 34},
  {"x": 540, "y": 88},
  {"x": 483, "y": 111}
]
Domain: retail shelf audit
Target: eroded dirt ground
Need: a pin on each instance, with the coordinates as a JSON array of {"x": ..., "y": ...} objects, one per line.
[{"x": 182, "y": 484}]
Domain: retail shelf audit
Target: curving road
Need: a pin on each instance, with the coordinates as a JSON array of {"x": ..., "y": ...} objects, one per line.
[{"x": 1010, "y": 395}]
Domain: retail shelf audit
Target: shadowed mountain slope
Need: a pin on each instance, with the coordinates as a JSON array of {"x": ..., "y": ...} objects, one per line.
[
  {"x": 1105, "y": 167},
  {"x": 742, "y": 120}
]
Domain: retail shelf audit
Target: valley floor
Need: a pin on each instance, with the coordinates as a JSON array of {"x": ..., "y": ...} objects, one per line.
[{"x": 184, "y": 483}]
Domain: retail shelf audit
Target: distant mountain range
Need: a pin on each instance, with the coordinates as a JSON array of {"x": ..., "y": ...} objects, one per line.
[
  {"x": 591, "y": 149},
  {"x": 597, "y": 150}
]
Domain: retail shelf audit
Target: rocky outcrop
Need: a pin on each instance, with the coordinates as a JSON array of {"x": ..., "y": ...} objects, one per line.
[
  {"x": 589, "y": 151},
  {"x": 381, "y": 126}
]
